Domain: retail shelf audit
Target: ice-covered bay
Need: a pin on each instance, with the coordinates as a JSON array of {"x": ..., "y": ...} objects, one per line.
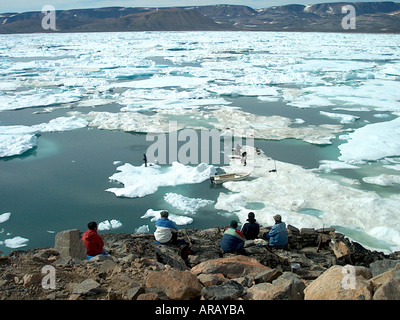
[{"x": 138, "y": 82}]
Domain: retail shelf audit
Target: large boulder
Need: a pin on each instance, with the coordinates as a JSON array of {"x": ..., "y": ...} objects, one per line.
[
  {"x": 387, "y": 284},
  {"x": 177, "y": 285},
  {"x": 170, "y": 256},
  {"x": 70, "y": 245},
  {"x": 341, "y": 283},
  {"x": 231, "y": 267},
  {"x": 288, "y": 286}
]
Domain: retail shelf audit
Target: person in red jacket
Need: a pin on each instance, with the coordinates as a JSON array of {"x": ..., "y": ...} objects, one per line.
[{"x": 93, "y": 241}]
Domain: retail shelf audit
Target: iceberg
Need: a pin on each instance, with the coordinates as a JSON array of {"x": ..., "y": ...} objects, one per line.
[{"x": 140, "y": 181}]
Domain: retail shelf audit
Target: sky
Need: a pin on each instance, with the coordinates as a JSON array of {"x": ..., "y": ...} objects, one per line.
[{"x": 37, "y": 5}]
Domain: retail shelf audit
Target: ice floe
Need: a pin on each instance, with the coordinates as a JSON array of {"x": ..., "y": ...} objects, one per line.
[
  {"x": 61, "y": 124},
  {"x": 16, "y": 242},
  {"x": 142, "y": 229},
  {"x": 109, "y": 224},
  {"x": 331, "y": 165},
  {"x": 186, "y": 204},
  {"x": 372, "y": 142},
  {"x": 140, "y": 181},
  {"x": 163, "y": 82},
  {"x": 16, "y": 140},
  {"x": 4, "y": 217},
  {"x": 223, "y": 118},
  {"x": 140, "y": 99},
  {"x": 383, "y": 180},
  {"x": 179, "y": 220},
  {"x": 343, "y": 118},
  {"x": 292, "y": 189},
  {"x": 37, "y": 98}
]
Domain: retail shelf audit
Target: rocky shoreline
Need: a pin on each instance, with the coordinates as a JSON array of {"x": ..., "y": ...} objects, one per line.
[{"x": 318, "y": 265}]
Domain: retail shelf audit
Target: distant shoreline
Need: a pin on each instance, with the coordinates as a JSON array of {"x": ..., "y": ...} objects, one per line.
[{"x": 368, "y": 17}]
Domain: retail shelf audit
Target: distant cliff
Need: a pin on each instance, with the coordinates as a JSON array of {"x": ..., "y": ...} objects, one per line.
[{"x": 371, "y": 17}]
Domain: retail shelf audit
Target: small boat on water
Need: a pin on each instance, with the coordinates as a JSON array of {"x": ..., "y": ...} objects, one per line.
[{"x": 221, "y": 178}]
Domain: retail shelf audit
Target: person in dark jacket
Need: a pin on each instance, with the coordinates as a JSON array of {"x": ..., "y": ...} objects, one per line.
[
  {"x": 277, "y": 236},
  {"x": 93, "y": 241},
  {"x": 250, "y": 228},
  {"x": 232, "y": 240}
]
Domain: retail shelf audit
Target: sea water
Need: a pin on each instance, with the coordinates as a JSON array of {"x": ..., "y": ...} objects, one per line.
[{"x": 75, "y": 110}]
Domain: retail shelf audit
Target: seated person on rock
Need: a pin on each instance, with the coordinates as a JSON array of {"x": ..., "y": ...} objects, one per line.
[
  {"x": 93, "y": 241},
  {"x": 277, "y": 236},
  {"x": 250, "y": 228},
  {"x": 232, "y": 240},
  {"x": 166, "y": 230}
]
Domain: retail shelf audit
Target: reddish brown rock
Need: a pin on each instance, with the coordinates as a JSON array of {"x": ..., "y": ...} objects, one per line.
[
  {"x": 177, "y": 285},
  {"x": 231, "y": 267},
  {"x": 338, "y": 284}
]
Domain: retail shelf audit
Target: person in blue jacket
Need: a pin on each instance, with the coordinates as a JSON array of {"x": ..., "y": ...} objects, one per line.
[
  {"x": 277, "y": 236},
  {"x": 166, "y": 230},
  {"x": 232, "y": 240}
]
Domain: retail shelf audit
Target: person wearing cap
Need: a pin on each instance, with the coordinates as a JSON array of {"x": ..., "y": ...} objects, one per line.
[
  {"x": 277, "y": 236},
  {"x": 232, "y": 240},
  {"x": 166, "y": 230},
  {"x": 250, "y": 228}
]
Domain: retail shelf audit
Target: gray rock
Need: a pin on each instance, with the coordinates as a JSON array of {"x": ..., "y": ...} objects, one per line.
[
  {"x": 170, "y": 256},
  {"x": 381, "y": 266},
  {"x": 88, "y": 287},
  {"x": 134, "y": 293},
  {"x": 229, "y": 290},
  {"x": 292, "y": 286},
  {"x": 267, "y": 276}
]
